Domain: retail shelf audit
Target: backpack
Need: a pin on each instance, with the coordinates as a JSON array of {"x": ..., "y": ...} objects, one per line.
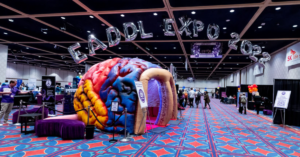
[
  {"x": 243, "y": 100},
  {"x": 198, "y": 95}
]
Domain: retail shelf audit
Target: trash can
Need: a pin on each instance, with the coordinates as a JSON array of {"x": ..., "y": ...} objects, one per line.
[{"x": 89, "y": 131}]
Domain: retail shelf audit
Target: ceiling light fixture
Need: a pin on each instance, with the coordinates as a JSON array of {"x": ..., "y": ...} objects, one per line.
[
  {"x": 193, "y": 12},
  {"x": 165, "y": 57},
  {"x": 174, "y": 47},
  {"x": 227, "y": 20},
  {"x": 224, "y": 28},
  {"x": 45, "y": 32},
  {"x": 27, "y": 47},
  {"x": 86, "y": 48},
  {"x": 263, "y": 47},
  {"x": 277, "y": 8},
  {"x": 119, "y": 48},
  {"x": 237, "y": 63},
  {"x": 10, "y": 20},
  {"x": 63, "y": 18},
  {"x": 15, "y": 62},
  {"x": 295, "y": 25},
  {"x": 122, "y": 15},
  {"x": 155, "y": 47},
  {"x": 88, "y": 31},
  {"x": 179, "y": 57},
  {"x": 155, "y": 14},
  {"x": 91, "y": 16},
  {"x": 39, "y": 56},
  {"x": 263, "y": 24},
  {"x": 230, "y": 68},
  {"x": 259, "y": 27},
  {"x": 231, "y": 10},
  {"x": 5, "y": 33},
  {"x": 150, "y": 57}
]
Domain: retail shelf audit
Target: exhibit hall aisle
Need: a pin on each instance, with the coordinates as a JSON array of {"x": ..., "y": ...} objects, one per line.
[{"x": 220, "y": 131}]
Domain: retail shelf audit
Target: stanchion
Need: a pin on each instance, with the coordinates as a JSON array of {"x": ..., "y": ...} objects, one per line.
[
  {"x": 43, "y": 110},
  {"x": 125, "y": 139},
  {"x": 113, "y": 140},
  {"x": 18, "y": 121}
]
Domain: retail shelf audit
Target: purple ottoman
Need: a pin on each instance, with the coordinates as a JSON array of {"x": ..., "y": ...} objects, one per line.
[
  {"x": 267, "y": 112},
  {"x": 34, "y": 110},
  {"x": 65, "y": 128}
]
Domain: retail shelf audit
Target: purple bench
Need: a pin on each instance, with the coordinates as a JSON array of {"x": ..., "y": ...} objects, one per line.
[
  {"x": 267, "y": 112},
  {"x": 34, "y": 110},
  {"x": 64, "y": 128}
]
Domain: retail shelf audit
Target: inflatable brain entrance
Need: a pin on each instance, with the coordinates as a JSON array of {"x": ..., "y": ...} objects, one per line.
[{"x": 113, "y": 80}]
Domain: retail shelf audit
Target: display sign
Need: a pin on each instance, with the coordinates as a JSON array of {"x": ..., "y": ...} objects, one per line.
[
  {"x": 114, "y": 106},
  {"x": 48, "y": 88},
  {"x": 258, "y": 70},
  {"x": 206, "y": 50},
  {"x": 224, "y": 95},
  {"x": 293, "y": 55},
  {"x": 141, "y": 94},
  {"x": 19, "y": 82},
  {"x": 282, "y": 99},
  {"x": 31, "y": 84}
]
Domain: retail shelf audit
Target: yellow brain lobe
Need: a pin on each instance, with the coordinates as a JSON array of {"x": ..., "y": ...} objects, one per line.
[{"x": 86, "y": 96}]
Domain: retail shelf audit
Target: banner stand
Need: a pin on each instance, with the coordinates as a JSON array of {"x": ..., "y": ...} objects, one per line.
[{"x": 282, "y": 118}]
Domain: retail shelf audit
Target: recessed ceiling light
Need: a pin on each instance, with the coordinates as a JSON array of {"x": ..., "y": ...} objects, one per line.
[
  {"x": 91, "y": 16},
  {"x": 237, "y": 63},
  {"x": 45, "y": 32},
  {"x": 39, "y": 56},
  {"x": 27, "y": 47},
  {"x": 179, "y": 57},
  {"x": 182, "y": 63},
  {"x": 155, "y": 47},
  {"x": 230, "y": 68},
  {"x": 109, "y": 56},
  {"x": 120, "y": 48},
  {"x": 86, "y": 47},
  {"x": 227, "y": 20},
  {"x": 15, "y": 62},
  {"x": 122, "y": 15},
  {"x": 174, "y": 47},
  {"x": 219, "y": 68},
  {"x": 259, "y": 27},
  {"x": 223, "y": 63},
  {"x": 263, "y": 24},
  {"x": 263, "y": 47},
  {"x": 229, "y": 57},
  {"x": 224, "y": 28},
  {"x": 88, "y": 31},
  {"x": 246, "y": 57},
  {"x": 165, "y": 57},
  {"x": 154, "y": 14},
  {"x": 231, "y": 10},
  {"x": 10, "y": 20},
  {"x": 193, "y": 12},
  {"x": 295, "y": 25},
  {"x": 63, "y": 18},
  {"x": 207, "y": 68},
  {"x": 5, "y": 33},
  {"x": 277, "y": 8},
  {"x": 150, "y": 57},
  {"x": 103, "y": 24}
]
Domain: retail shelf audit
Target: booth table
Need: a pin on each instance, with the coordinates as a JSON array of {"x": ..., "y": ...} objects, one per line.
[{"x": 34, "y": 116}]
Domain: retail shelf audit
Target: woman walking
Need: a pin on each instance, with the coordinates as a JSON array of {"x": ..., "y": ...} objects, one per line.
[{"x": 207, "y": 100}]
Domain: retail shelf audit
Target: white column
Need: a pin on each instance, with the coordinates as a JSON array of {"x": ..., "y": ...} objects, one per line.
[{"x": 3, "y": 62}]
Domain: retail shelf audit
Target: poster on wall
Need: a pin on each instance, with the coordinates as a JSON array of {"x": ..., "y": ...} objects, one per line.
[
  {"x": 258, "y": 70},
  {"x": 282, "y": 99},
  {"x": 31, "y": 84},
  {"x": 292, "y": 55},
  {"x": 141, "y": 94},
  {"x": 48, "y": 89}
]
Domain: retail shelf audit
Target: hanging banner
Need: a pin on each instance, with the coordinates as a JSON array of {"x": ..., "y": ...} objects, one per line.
[
  {"x": 293, "y": 55},
  {"x": 282, "y": 99},
  {"x": 206, "y": 50},
  {"x": 141, "y": 94},
  {"x": 48, "y": 88},
  {"x": 31, "y": 84}
]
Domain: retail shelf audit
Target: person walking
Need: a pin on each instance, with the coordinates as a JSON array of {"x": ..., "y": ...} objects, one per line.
[
  {"x": 212, "y": 94},
  {"x": 206, "y": 99},
  {"x": 180, "y": 97},
  {"x": 257, "y": 100},
  {"x": 8, "y": 93},
  {"x": 185, "y": 98},
  {"x": 191, "y": 97},
  {"x": 243, "y": 103},
  {"x": 198, "y": 98}
]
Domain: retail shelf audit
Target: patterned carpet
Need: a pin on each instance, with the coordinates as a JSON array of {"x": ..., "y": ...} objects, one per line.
[{"x": 221, "y": 131}]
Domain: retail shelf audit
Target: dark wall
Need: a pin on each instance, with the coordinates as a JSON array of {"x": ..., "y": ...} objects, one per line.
[
  {"x": 231, "y": 90},
  {"x": 292, "y": 115}
]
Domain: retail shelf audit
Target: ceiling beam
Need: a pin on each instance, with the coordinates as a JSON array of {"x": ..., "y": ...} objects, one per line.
[{"x": 249, "y": 24}]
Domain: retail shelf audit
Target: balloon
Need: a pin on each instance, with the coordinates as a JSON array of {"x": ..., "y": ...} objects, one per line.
[
  {"x": 256, "y": 50},
  {"x": 266, "y": 57},
  {"x": 209, "y": 31},
  {"x": 166, "y": 26},
  {"x": 112, "y": 42},
  {"x": 126, "y": 33},
  {"x": 142, "y": 31},
  {"x": 254, "y": 86},
  {"x": 185, "y": 26},
  {"x": 232, "y": 42},
  {"x": 243, "y": 47},
  {"x": 75, "y": 54},
  {"x": 95, "y": 44},
  {"x": 183, "y": 87},
  {"x": 197, "y": 28}
]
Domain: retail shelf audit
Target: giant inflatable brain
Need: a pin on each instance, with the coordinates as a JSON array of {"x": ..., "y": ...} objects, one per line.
[{"x": 113, "y": 80}]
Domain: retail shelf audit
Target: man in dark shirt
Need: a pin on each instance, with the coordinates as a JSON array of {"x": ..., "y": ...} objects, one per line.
[{"x": 8, "y": 93}]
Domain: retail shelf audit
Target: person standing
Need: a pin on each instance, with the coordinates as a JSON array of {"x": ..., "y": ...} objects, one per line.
[
  {"x": 257, "y": 100},
  {"x": 206, "y": 99},
  {"x": 185, "y": 98},
  {"x": 191, "y": 97},
  {"x": 180, "y": 97},
  {"x": 212, "y": 94},
  {"x": 198, "y": 98},
  {"x": 8, "y": 93},
  {"x": 243, "y": 103}
]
